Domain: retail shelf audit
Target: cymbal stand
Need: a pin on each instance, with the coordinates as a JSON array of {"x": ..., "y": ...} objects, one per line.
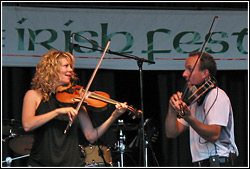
[
  {"x": 146, "y": 153},
  {"x": 121, "y": 143},
  {"x": 153, "y": 153},
  {"x": 9, "y": 160}
]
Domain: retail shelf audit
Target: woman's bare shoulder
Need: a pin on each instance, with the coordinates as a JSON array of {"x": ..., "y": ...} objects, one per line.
[{"x": 33, "y": 93}]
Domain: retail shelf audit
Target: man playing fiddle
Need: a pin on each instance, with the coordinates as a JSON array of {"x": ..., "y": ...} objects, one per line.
[{"x": 210, "y": 120}]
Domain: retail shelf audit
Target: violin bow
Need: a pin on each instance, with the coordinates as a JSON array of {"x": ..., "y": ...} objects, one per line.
[
  {"x": 88, "y": 85},
  {"x": 185, "y": 91},
  {"x": 202, "y": 51}
]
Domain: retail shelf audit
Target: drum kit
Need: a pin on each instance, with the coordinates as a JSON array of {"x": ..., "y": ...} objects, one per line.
[
  {"x": 21, "y": 142},
  {"x": 18, "y": 140},
  {"x": 104, "y": 156}
]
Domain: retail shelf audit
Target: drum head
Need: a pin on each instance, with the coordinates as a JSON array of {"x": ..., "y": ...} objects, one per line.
[{"x": 97, "y": 156}]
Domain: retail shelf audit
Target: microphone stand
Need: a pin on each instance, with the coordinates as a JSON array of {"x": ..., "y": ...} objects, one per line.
[
  {"x": 139, "y": 63},
  {"x": 145, "y": 161}
]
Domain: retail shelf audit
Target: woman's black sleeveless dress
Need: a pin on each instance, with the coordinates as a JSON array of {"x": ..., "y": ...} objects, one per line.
[{"x": 51, "y": 146}]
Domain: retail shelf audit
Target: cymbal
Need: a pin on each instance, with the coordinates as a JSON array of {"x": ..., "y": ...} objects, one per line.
[
  {"x": 11, "y": 122},
  {"x": 124, "y": 126},
  {"x": 11, "y": 127},
  {"x": 22, "y": 144}
]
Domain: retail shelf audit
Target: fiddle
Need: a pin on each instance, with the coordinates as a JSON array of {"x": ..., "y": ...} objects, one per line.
[
  {"x": 96, "y": 99},
  {"x": 197, "y": 94}
]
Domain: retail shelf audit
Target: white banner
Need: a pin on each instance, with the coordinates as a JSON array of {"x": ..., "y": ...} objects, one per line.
[{"x": 163, "y": 36}]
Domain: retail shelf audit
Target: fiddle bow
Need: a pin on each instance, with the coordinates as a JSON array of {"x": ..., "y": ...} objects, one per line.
[
  {"x": 197, "y": 93},
  {"x": 88, "y": 85}
]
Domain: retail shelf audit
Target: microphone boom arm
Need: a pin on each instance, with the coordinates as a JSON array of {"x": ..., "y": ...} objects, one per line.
[{"x": 109, "y": 51}]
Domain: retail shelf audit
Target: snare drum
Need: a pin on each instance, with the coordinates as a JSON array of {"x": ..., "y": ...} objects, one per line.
[{"x": 93, "y": 156}]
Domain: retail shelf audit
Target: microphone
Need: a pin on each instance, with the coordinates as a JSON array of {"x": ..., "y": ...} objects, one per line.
[{"x": 71, "y": 45}]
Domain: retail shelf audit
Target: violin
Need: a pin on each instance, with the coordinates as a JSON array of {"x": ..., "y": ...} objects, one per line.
[
  {"x": 96, "y": 99},
  {"x": 197, "y": 94}
]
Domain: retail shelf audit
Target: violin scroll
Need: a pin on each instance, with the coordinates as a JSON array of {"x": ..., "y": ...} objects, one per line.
[{"x": 134, "y": 112}]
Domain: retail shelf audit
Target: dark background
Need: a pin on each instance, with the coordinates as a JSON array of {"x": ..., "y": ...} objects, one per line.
[{"x": 124, "y": 86}]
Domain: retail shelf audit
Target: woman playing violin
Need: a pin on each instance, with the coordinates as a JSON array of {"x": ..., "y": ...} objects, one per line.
[{"x": 42, "y": 114}]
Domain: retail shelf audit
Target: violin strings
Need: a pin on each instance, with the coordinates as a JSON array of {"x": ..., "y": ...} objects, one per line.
[
  {"x": 95, "y": 96},
  {"x": 102, "y": 98}
]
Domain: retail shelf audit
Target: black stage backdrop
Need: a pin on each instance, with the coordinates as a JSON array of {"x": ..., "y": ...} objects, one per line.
[{"x": 124, "y": 86}]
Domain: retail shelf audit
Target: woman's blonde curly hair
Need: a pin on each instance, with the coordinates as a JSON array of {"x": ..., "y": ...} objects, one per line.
[{"x": 46, "y": 75}]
